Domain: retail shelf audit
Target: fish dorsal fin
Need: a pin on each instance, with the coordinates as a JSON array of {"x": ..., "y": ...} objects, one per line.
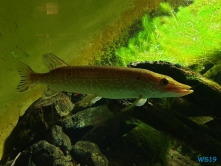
[{"x": 52, "y": 61}]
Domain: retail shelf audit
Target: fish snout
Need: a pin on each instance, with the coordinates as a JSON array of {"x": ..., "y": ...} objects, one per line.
[
  {"x": 183, "y": 90},
  {"x": 178, "y": 90}
]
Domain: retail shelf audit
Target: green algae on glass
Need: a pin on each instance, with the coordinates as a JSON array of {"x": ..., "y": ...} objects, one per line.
[
  {"x": 140, "y": 47},
  {"x": 190, "y": 36}
]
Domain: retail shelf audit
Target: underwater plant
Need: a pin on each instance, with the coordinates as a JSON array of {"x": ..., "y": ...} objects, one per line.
[{"x": 191, "y": 35}]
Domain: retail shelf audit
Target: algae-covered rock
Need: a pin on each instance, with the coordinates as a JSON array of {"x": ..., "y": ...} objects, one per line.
[
  {"x": 44, "y": 154},
  {"x": 149, "y": 145},
  {"x": 214, "y": 72},
  {"x": 78, "y": 124},
  {"x": 58, "y": 138},
  {"x": 88, "y": 153},
  {"x": 176, "y": 159}
]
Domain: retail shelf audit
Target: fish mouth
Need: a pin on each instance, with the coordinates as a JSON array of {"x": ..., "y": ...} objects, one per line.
[
  {"x": 187, "y": 91},
  {"x": 181, "y": 90},
  {"x": 184, "y": 91}
]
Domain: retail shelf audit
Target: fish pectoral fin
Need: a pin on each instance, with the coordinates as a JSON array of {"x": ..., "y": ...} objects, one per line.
[
  {"x": 94, "y": 100},
  {"x": 141, "y": 102},
  {"x": 52, "y": 61},
  {"x": 133, "y": 104},
  {"x": 48, "y": 93}
]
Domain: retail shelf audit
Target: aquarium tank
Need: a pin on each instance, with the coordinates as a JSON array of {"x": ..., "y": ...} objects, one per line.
[{"x": 110, "y": 83}]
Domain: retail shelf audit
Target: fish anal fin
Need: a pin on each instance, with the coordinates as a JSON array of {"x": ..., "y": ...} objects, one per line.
[
  {"x": 48, "y": 93},
  {"x": 52, "y": 61}
]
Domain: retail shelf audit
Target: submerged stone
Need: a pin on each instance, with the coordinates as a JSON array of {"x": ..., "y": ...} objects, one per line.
[{"x": 89, "y": 154}]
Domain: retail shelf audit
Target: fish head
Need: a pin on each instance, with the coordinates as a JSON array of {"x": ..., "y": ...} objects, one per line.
[
  {"x": 168, "y": 87},
  {"x": 159, "y": 86}
]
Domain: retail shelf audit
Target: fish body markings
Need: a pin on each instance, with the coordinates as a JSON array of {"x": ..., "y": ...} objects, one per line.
[{"x": 103, "y": 81}]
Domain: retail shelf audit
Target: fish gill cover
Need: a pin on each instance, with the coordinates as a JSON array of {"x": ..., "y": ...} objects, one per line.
[{"x": 190, "y": 36}]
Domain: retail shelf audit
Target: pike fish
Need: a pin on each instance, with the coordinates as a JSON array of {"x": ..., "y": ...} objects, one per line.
[{"x": 102, "y": 81}]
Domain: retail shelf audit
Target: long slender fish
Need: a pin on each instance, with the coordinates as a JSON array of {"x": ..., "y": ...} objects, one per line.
[{"x": 103, "y": 81}]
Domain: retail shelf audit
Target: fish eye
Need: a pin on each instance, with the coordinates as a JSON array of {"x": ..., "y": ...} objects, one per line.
[{"x": 164, "y": 82}]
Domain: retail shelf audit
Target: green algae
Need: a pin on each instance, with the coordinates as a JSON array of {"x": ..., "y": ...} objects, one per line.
[{"x": 190, "y": 36}]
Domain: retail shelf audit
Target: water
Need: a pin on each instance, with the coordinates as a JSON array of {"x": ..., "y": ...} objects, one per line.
[{"x": 76, "y": 31}]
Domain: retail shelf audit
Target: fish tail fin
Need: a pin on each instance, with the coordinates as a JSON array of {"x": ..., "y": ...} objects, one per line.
[{"x": 25, "y": 82}]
